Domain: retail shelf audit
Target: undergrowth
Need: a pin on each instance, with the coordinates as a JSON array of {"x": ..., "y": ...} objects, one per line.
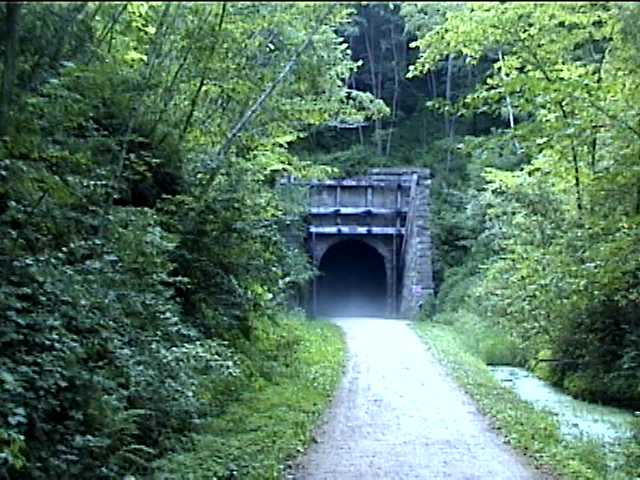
[
  {"x": 482, "y": 339},
  {"x": 293, "y": 368},
  {"x": 532, "y": 431}
]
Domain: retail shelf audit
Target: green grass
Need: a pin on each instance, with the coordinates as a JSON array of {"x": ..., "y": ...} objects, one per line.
[
  {"x": 481, "y": 339},
  {"x": 533, "y": 432},
  {"x": 298, "y": 365}
]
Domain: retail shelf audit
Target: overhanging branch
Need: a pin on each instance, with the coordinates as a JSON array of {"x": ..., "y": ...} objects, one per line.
[{"x": 255, "y": 108}]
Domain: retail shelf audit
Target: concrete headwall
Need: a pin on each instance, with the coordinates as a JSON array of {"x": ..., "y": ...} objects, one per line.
[{"x": 388, "y": 209}]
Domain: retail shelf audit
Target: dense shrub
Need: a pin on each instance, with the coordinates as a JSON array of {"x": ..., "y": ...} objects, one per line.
[{"x": 141, "y": 244}]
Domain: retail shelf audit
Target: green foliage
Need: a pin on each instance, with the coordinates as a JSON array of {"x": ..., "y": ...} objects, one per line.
[
  {"x": 297, "y": 367},
  {"x": 142, "y": 245},
  {"x": 482, "y": 339},
  {"x": 352, "y": 161},
  {"x": 632, "y": 451},
  {"x": 136, "y": 261},
  {"x": 539, "y": 235}
]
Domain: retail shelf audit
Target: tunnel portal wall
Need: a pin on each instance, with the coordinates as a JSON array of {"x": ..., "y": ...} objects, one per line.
[{"x": 388, "y": 209}]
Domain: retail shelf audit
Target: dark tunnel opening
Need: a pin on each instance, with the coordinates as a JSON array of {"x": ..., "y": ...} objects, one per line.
[{"x": 352, "y": 281}]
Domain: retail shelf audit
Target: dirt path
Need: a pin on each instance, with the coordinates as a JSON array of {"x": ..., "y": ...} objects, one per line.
[{"x": 398, "y": 416}]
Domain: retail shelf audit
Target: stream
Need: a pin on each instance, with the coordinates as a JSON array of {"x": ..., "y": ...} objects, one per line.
[{"x": 576, "y": 417}]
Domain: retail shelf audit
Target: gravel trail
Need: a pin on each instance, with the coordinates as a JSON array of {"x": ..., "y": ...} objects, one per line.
[{"x": 398, "y": 416}]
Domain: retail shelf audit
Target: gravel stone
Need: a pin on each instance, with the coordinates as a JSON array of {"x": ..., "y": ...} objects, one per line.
[{"x": 397, "y": 415}]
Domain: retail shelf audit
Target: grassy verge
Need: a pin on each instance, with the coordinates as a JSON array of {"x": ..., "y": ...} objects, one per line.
[
  {"x": 296, "y": 366},
  {"x": 532, "y": 431}
]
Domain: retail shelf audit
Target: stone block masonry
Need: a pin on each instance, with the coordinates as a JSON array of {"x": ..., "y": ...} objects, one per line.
[
  {"x": 417, "y": 274},
  {"x": 386, "y": 211}
]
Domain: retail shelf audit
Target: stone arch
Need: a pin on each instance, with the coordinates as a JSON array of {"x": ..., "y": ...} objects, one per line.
[
  {"x": 353, "y": 278},
  {"x": 322, "y": 245}
]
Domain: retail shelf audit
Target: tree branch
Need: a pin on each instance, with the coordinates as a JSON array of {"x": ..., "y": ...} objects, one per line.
[
  {"x": 12, "y": 15},
  {"x": 509, "y": 107},
  {"x": 194, "y": 99},
  {"x": 251, "y": 112},
  {"x": 48, "y": 59},
  {"x": 169, "y": 96}
]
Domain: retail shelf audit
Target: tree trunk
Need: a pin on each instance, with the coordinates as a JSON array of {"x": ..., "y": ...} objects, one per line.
[
  {"x": 447, "y": 92},
  {"x": 360, "y": 133},
  {"x": 396, "y": 90},
  {"x": 594, "y": 129},
  {"x": 434, "y": 87},
  {"x": 378, "y": 121},
  {"x": 192, "y": 109},
  {"x": 115, "y": 18},
  {"x": 49, "y": 58},
  {"x": 203, "y": 79},
  {"x": 433, "y": 93},
  {"x": 574, "y": 157},
  {"x": 12, "y": 15},
  {"x": 374, "y": 86},
  {"x": 352, "y": 81},
  {"x": 508, "y": 99},
  {"x": 110, "y": 29},
  {"x": 448, "y": 122},
  {"x": 169, "y": 93},
  {"x": 452, "y": 124}
]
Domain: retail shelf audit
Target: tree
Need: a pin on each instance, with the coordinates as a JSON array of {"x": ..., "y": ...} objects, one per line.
[
  {"x": 135, "y": 261},
  {"x": 568, "y": 194},
  {"x": 9, "y": 72}
]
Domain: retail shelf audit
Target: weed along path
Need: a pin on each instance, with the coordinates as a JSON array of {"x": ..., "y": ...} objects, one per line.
[{"x": 398, "y": 416}]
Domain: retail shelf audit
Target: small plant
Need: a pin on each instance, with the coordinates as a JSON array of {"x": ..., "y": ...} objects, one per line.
[{"x": 631, "y": 450}]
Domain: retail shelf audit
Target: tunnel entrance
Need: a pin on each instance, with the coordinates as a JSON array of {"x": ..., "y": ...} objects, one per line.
[{"x": 352, "y": 281}]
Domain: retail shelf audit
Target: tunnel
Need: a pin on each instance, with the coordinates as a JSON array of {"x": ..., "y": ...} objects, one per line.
[{"x": 352, "y": 281}]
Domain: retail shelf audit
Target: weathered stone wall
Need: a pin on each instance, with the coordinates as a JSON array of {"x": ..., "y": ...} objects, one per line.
[
  {"x": 417, "y": 275},
  {"x": 379, "y": 210}
]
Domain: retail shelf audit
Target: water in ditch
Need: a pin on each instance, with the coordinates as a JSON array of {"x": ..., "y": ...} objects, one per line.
[{"x": 577, "y": 419}]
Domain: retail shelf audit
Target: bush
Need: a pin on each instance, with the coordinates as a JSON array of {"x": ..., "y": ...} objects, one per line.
[
  {"x": 632, "y": 450},
  {"x": 599, "y": 349},
  {"x": 480, "y": 337},
  {"x": 293, "y": 369}
]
